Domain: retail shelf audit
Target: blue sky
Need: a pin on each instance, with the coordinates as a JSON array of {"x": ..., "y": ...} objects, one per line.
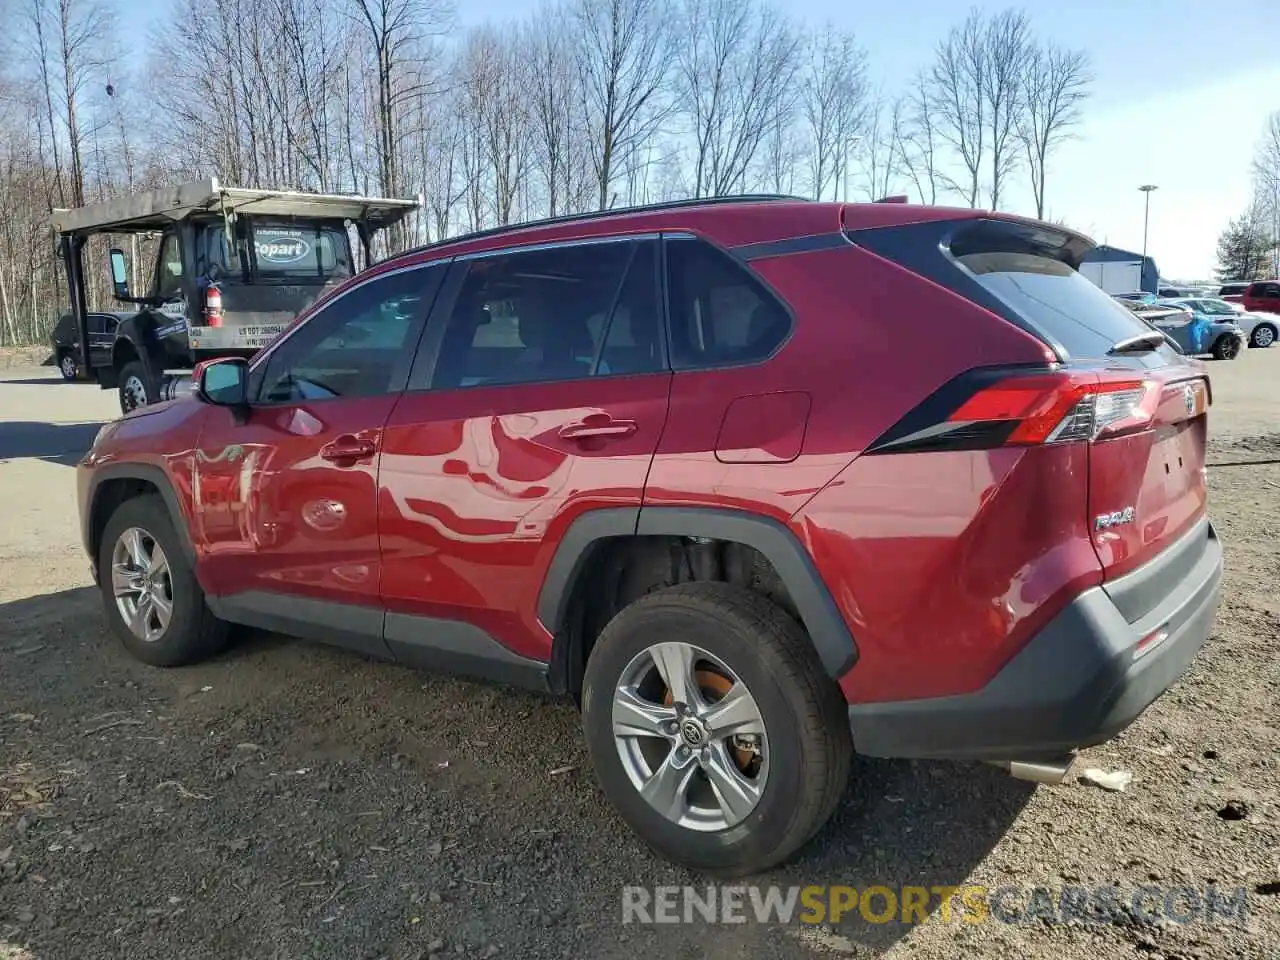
[{"x": 1181, "y": 93}]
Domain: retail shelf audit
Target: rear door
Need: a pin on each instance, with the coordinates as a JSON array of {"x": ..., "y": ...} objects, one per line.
[{"x": 540, "y": 394}]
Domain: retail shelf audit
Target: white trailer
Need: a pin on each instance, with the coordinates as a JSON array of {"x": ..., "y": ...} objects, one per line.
[{"x": 1114, "y": 276}]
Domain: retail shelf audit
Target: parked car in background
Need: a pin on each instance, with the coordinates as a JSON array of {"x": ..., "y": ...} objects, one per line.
[
  {"x": 1195, "y": 334},
  {"x": 66, "y": 343},
  {"x": 1262, "y": 296},
  {"x": 1231, "y": 292},
  {"x": 1260, "y": 329}
]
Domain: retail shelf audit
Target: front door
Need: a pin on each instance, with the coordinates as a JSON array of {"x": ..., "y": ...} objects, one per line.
[
  {"x": 542, "y": 395},
  {"x": 286, "y": 501}
]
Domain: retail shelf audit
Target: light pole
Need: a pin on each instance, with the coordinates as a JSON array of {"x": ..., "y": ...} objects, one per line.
[{"x": 1146, "y": 217}]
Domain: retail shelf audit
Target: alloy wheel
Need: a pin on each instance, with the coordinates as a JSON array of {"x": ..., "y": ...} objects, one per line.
[
  {"x": 69, "y": 366},
  {"x": 691, "y": 736},
  {"x": 1263, "y": 337},
  {"x": 142, "y": 584}
]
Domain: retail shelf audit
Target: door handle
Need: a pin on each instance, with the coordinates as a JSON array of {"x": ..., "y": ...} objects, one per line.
[
  {"x": 604, "y": 427},
  {"x": 348, "y": 449}
]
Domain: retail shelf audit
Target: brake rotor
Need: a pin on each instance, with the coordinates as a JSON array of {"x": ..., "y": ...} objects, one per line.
[{"x": 715, "y": 686}]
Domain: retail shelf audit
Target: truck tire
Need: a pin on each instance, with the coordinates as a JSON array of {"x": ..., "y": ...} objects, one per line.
[
  {"x": 136, "y": 388},
  {"x": 728, "y": 790},
  {"x": 150, "y": 594}
]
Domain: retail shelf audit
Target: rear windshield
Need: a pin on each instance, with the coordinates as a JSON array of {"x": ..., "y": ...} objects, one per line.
[
  {"x": 1029, "y": 270},
  {"x": 1052, "y": 297},
  {"x": 300, "y": 251}
]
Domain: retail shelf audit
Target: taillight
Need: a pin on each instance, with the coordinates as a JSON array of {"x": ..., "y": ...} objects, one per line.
[
  {"x": 998, "y": 409},
  {"x": 213, "y": 307}
]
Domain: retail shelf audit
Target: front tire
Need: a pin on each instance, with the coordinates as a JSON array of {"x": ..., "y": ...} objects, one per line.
[
  {"x": 713, "y": 729},
  {"x": 1263, "y": 336},
  {"x": 1226, "y": 348},
  {"x": 136, "y": 388},
  {"x": 149, "y": 590}
]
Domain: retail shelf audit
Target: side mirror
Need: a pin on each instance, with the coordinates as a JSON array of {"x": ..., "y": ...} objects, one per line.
[
  {"x": 119, "y": 275},
  {"x": 223, "y": 382}
]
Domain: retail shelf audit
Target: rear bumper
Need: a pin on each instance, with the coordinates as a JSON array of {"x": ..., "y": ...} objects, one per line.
[{"x": 1077, "y": 682}]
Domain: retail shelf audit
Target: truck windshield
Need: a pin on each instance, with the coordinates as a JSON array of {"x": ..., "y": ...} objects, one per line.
[{"x": 300, "y": 251}]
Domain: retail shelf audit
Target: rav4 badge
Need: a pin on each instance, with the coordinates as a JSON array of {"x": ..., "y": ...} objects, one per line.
[{"x": 1104, "y": 521}]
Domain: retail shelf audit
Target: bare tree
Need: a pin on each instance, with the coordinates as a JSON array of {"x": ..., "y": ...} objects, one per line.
[
  {"x": 1055, "y": 84},
  {"x": 835, "y": 107},
  {"x": 735, "y": 73},
  {"x": 556, "y": 99},
  {"x": 622, "y": 57},
  {"x": 882, "y": 146},
  {"x": 958, "y": 82},
  {"x": 918, "y": 140},
  {"x": 1007, "y": 49},
  {"x": 397, "y": 32}
]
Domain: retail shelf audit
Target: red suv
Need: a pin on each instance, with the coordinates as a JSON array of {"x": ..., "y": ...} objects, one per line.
[
  {"x": 1261, "y": 296},
  {"x": 758, "y": 482}
]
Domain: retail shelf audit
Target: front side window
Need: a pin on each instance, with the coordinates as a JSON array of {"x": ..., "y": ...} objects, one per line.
[
  {"x": 553, "y": 314},
  {"x": 169, "y": 278},
  {"x": 298, "y": 252},
  {"x": 720, "y": 314},
  {"x": 360, "y": 345}
]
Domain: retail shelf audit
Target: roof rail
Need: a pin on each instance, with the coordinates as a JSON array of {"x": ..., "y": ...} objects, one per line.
[{"x": 611, "y": 212}]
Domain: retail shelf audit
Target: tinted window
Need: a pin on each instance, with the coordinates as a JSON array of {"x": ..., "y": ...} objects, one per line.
[
  {"x": 1231, "y": 288},
  {"x": 554, "y": 314},
  {"x": 169, "y": 278},
  {"x": 300, "y": 251},
  {"x": 720, "y": 314},
  {"x": 359, "y": 346},
  {"x": 1267, "y": 290}
]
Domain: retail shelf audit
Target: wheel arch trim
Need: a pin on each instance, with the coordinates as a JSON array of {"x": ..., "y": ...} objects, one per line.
[
  {"x": 822, "y": 620},
  {"x": 147, "y": 473}
]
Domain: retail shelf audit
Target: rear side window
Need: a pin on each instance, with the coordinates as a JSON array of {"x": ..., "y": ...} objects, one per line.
[
  {"x": 720, "y": 314},
  {"x": 1023, "y": 272}
]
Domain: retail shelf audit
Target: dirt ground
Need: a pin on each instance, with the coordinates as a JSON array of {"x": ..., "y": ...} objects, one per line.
[{"x": 290, "y": 801}]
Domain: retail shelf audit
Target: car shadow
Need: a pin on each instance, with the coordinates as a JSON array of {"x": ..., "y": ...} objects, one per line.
[
  {"x": 904, "y": 824},
  {"x": 63, "y": 443}
]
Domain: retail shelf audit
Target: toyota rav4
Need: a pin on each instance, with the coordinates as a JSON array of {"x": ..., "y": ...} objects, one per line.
[{"x": 756, "y": 482}]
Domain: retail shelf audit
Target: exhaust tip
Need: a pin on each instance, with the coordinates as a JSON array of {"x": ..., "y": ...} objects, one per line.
[{"x": 1051, "y": 772}]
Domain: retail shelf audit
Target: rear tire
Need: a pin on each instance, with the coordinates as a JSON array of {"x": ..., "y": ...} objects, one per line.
[
  {"x": 68, "y": 367},
  {"x": 803, "y": 748},
  {"x": 1226, "y": 348},
  {"x": 1263, "y": 336},
  {"x": 158, "y": 567},
  {"x": 136, "y": 388}
]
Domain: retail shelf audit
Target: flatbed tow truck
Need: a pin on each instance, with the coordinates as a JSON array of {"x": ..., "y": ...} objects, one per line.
[{"x": 234, "y": 267}]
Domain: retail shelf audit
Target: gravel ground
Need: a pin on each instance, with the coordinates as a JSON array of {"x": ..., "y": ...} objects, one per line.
[{"x": 291, "y": 801}]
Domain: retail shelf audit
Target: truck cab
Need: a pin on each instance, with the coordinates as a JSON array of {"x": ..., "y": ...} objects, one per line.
[{"x": 232, "y": 268}]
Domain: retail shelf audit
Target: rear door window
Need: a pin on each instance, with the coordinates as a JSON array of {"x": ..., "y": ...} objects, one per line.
[{"x": 720, "y": 314}]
